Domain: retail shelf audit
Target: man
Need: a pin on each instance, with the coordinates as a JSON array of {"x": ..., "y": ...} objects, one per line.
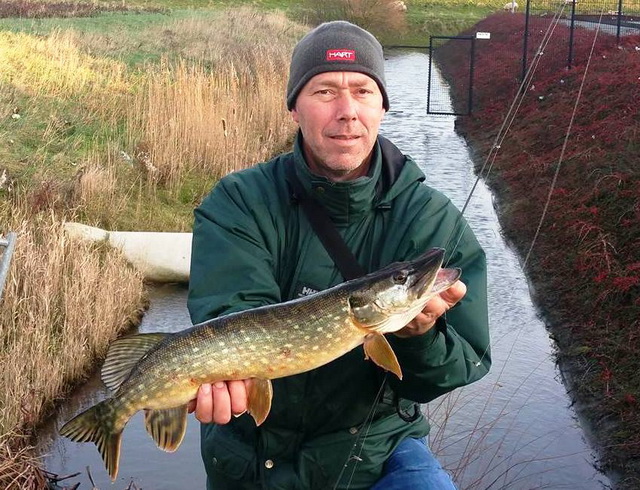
[{"x": 342, "y": 425}]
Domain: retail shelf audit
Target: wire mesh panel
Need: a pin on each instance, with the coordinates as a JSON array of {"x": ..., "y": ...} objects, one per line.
[
  {"x": 610, "y": 14},
  {"x": 577, "y": 18},
  {"x": 439, "y": 90}
]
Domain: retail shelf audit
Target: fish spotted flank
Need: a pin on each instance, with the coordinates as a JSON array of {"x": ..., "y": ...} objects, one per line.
[{"x": 160, "y": 373}]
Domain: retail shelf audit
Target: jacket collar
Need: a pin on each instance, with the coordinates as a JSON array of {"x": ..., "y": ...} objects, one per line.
[{"x": 349, "y": 201}]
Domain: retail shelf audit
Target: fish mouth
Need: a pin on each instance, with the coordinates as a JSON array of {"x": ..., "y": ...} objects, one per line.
[
  {"x": 444, "y": 279},
  {"x": 427, "y": 277}
]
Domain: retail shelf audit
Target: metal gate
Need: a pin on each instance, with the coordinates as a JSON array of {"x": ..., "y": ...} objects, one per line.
[{"x": 438, "y": 100}]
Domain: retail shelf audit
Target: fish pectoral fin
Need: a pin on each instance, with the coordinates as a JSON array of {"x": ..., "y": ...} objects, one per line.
[
  {"x": 167, "y": 426},
  {"x": 259, "y": 399},
  {"x": 377, "y": 348},
  {"x": 125, "y": 353}
]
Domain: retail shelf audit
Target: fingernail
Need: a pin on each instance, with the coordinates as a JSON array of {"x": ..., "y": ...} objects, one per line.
[
  {"x": 219, "y": 384},
  {"x": 205, "y": 388},
  {"x": 236, "y": 415}
]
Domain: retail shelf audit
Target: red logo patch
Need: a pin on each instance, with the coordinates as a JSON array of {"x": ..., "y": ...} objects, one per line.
[{"x": 341, "y": 55}]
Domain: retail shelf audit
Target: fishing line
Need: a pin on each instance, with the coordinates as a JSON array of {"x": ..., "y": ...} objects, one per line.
[
  {"x": 551, "y": 189},
  {"x": 484, "y": 172},
  {"x": 506, "y": 124},
  {"x": 565, "y": 142},
  {"x": 501, "y": 135},
  {"x": 368, "y": 422}
]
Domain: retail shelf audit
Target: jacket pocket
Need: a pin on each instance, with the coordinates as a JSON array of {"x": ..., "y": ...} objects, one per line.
[{"x": 226, "y": 458}]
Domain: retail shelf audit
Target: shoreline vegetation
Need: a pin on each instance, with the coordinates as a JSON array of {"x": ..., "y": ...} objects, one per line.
[
  {"x": 124, "y": 126},
  {"x": 585, "y": 264},
  {"x": 122, "y": 115}
]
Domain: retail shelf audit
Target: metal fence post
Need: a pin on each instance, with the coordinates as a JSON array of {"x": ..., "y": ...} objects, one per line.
[
  {"x": 429, "y": 76},
  {"x": 9, "y": 244},
  {"x": 619, "y": 22},
  {"x": 471, "y": 67},
  {"x": 573, "y": 28},
  {"x": 525, "y": 46}
]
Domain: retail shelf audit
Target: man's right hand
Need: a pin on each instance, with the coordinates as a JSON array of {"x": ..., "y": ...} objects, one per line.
[{"x": 217, "y": 402}]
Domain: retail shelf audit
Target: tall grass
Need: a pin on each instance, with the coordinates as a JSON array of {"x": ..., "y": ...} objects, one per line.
[
  {"x": 380, "y": 17},
  {"x": 222, "y": 113},
  {"x": 214, "y": 104},
  {"x": 193, "y": 120},
  {"x": 63, "y": 302}
]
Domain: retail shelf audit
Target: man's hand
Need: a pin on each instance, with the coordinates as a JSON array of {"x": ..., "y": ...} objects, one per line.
[
  {"x": 219, "y": 401},
  {"x": 434, "y": 309}
]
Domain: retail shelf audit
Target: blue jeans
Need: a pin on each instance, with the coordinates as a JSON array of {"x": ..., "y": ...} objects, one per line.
[{"x": 413, "y": 466}]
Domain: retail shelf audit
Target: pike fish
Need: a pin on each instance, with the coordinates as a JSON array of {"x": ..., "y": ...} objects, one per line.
[{"x": 160, "y": 373}]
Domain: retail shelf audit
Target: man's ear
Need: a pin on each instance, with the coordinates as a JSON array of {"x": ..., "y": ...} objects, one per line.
[{"x": 294, "y": 115}]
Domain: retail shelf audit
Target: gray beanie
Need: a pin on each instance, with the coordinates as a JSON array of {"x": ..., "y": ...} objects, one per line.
[{"x": 335, "y": 46}]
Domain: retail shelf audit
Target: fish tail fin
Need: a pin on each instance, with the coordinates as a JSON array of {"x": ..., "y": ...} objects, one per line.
[{"x": 99, "y": 425}]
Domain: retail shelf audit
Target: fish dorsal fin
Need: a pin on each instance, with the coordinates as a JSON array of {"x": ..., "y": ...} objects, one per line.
[
  {"x": 377, "y": 348},
  {"x": 125, "y": 353},
  {"x": 167, "y": 427},
  {"x": 259, "y": 399}
]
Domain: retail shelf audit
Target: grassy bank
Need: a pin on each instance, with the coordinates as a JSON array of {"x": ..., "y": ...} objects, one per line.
[
  {"x": 124, "y": 127},
  {"x": 145, "y": 119},
  {"x": 585, "y": 261},
  {"x": 117, "y": 107}
]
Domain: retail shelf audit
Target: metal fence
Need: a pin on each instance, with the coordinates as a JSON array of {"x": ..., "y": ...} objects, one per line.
[
  {"x": 563, "y": 25},
  {"x": 612, "y": 18},
  {"x": 438, "y": 97}
]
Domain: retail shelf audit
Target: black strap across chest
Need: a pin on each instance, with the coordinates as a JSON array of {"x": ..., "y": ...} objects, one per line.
[{"x": 326, "y": 230}]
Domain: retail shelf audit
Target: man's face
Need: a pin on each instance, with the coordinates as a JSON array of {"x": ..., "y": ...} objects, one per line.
[{"x": 339, "y": 114}]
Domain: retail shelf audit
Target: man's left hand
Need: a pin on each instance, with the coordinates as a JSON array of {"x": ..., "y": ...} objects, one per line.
[{"x": 434, "y": 309}]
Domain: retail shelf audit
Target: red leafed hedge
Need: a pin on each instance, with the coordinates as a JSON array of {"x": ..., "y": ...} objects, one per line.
[{"x": 586, "y": 261}]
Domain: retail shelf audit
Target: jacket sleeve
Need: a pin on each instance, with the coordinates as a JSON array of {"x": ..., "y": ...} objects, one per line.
[
  {"x": 455, "y": 352},
  {"x": 232, "y": 264}
]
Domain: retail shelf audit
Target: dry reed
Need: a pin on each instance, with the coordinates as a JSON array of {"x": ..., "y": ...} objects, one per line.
[
  {"x": 222, "y": 113},
  {"x": 18, "y": 465},
  {"x": 380, "y": 17},
  {"x": 63, "y": 302}
]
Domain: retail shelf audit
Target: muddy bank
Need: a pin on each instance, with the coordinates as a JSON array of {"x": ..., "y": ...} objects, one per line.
[{"x": 585, "y": 261}]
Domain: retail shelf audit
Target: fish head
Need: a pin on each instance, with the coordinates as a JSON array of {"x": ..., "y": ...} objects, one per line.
[{"x": 390, "y": 298}]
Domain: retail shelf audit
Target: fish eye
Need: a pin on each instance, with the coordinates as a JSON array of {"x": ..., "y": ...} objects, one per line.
[{"x": 400, "y": 277}]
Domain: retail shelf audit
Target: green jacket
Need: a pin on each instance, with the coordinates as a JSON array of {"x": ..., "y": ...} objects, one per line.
[{"x": 253, "y": 245}]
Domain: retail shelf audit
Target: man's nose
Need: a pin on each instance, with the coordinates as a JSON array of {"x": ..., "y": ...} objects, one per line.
[{"x": 346, "y": 108}]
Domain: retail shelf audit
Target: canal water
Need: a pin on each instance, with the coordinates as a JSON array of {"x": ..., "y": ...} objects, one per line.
[{"x": 513, "y": 429}]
